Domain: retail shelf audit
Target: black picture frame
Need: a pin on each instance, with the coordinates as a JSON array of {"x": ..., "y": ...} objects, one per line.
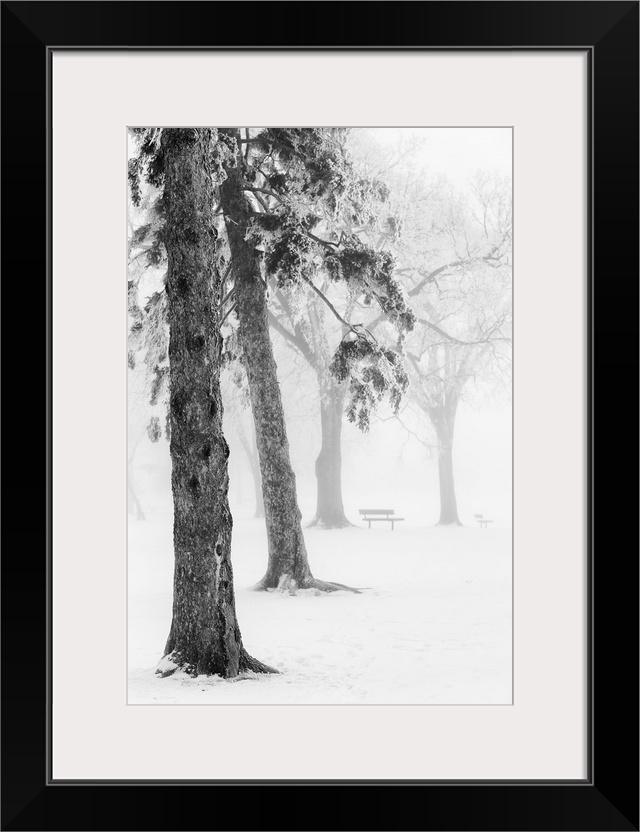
[{"x": 608, "y": 798}]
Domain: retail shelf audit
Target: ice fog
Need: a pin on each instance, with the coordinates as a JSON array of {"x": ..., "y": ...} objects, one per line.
[{"x": 431, "y": 622}]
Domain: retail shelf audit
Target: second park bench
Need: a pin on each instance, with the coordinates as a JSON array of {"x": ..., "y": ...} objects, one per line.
[{"x": 484, "y": 523}]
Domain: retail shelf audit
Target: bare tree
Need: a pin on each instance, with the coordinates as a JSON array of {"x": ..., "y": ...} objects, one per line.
[
  {"x": 310, "y": 337},
  {"x": 454, "y": 261},
  {"x": 458, "y": 276}
]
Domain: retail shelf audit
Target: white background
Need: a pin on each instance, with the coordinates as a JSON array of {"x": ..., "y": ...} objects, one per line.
[{"x": 95, "y": 733}]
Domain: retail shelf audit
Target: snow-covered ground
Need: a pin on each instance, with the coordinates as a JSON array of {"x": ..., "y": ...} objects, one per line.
[{"x": 432, "y": 624}]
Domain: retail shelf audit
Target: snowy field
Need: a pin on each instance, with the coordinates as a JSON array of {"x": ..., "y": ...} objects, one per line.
[
  {"x": 433, "y": 621},
  {"x": 432, "y": 624}
]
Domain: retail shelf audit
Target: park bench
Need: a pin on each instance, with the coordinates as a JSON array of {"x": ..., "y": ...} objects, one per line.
[
  {"x": 374, "y": 515},
  {"x": 482, "y": 520}
]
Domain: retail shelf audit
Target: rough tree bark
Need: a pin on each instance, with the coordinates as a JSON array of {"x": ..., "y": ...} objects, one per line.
[
  {"x": 288, "y": 565},
  {"x": 204, "y": 636}
]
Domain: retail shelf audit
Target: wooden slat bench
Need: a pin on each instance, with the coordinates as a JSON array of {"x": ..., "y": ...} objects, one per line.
[
  {"x": 374, "y": 515},
  {"x": 482, "y": 520}
]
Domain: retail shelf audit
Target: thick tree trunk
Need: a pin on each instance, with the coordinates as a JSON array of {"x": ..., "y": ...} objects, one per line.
[
  {"x": 443, "y": 419},
  {"x": 329, "y": 508},
  {"x": 288, "y": 566},
  {"x": 204, "y": 637}
]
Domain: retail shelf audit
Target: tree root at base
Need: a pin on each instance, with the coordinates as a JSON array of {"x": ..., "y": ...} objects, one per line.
[
  {"x": 168, "y": 665},
  {"x": 330, "y": 586},
  {"x": 290, "y": 585},
  {"x": 247, "y": 662}
]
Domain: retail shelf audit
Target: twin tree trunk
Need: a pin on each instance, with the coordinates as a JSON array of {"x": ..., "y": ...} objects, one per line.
[
  {"x": 204, "y": 636},
  {"x": 288, "y": 566},
  {"x": 443, "y": 419},
  {"x": 329, "y": 509}
]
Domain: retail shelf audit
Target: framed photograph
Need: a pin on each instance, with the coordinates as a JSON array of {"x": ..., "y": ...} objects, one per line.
[{"x": 342, "y": 225}]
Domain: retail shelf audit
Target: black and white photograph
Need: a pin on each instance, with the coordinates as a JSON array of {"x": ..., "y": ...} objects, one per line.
[
  {"x": 319, "y": 464},
  {"x": 303, "y": 467}
]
